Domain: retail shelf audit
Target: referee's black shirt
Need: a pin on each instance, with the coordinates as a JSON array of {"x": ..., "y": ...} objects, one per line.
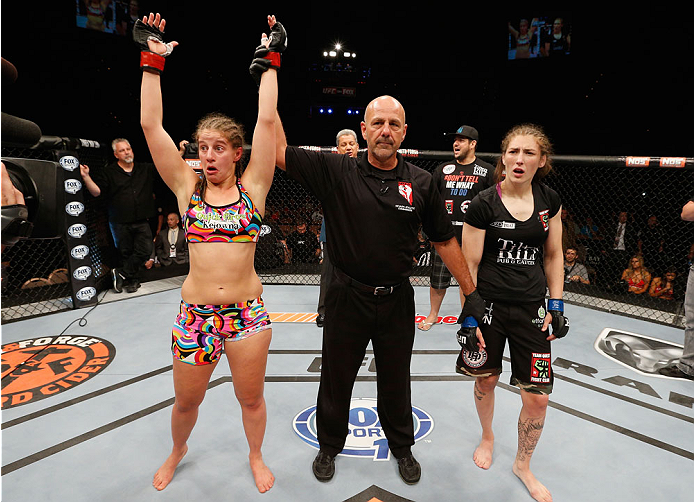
[
  {"x": 373, "y": 215},
  {"x": 129, "y": 195}
]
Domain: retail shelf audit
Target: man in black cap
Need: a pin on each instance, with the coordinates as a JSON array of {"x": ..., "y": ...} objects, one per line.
[
  {"x": 374, "y": 206},
  {"x": 458, "y": 181}
]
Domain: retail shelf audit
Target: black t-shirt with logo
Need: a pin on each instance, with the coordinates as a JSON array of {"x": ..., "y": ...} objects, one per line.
[
  {"x": 303, "y": 246},
  {"x": 374, "y": 215},
  {"x": 511, "y": 266},
  {"x": 458, "y": 184}
]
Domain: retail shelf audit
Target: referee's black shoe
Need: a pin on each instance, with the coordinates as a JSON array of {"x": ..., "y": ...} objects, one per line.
[
  {"x": 320, "y": 320},
  {"x": 410, "y": 470},
  {"x": 323, "y": 466}
]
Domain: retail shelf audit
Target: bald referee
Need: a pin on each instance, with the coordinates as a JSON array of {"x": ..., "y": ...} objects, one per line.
[{"x": 375, "y": 205}]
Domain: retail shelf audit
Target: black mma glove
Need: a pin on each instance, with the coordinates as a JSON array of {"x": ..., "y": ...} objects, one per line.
[
  {"x": 260, "y": 63},
  {"x": 467, "y": 335},
  {"x": 474, "y": 307},
  {"x": 278, "y": 38},
  {"x": 150, "y": 61},
  {"x": 560, "y": 324},
  {"x": 269, "y": 57}
]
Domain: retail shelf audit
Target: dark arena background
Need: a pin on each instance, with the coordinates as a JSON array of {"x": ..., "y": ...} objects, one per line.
[{"x": 614, "y": 106}]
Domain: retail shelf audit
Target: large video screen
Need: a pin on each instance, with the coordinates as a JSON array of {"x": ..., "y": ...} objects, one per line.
[
  {"x": 539, "y": 37},
  {"x": 108, "y": 16}
]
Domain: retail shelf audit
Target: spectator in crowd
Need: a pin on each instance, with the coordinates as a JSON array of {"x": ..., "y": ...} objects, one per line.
[
  {"x": 303, "y": 245},
  {"x": 170, "y": 246},
  {"x": 636, "y": 276},
  {"x": 129, "y": 189},
  {"x": 684, "y": 368},
  {"x": 651, "y": 241},
  {"x": 621, "y": 242},
  {"x": 347, "y": 144},
  {"x": 589, "y": 230},
  {"x": 574, "y": 271},
  {"x": 663, "y": 287}
]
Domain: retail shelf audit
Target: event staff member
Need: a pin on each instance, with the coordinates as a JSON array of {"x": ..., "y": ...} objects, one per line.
[
  {"x": 458, "y": 182},
  {"x": 374, "y": 206},
  {"x": 509, "y": 229},
  {"x": 129, "y": 189}
]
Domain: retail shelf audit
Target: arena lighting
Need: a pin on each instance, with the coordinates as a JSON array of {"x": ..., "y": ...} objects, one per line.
[{"x": 333, "y": 53}]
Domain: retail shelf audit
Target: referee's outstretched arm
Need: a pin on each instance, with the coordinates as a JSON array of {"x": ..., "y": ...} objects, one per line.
[{"x": 452, "y": 255}]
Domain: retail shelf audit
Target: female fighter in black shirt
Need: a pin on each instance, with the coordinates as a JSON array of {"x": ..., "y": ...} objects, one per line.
[{"x": 512, "y": 231}]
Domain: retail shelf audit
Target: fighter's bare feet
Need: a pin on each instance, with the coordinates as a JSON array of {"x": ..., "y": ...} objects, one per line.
[
  {"x": 483, "y": 454},
  {"x": 262, "y": 474},
  {"x": 166, "y": 472},
  {"x": 537, "y": 490}
]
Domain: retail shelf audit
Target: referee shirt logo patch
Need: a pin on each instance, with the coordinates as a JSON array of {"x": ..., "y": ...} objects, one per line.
[{"x": 405, "y": 190}]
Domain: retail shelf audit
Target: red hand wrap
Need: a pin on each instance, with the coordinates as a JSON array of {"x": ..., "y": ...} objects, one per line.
[
  {"x": 152, "y": 61},
  {"x": 274, "y": 58}
]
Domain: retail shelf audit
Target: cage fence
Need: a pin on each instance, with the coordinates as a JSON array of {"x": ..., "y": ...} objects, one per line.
[{"x": 646, "y": 193}]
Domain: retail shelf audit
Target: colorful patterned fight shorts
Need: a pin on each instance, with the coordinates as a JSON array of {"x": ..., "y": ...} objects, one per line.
[{"x": 200, "y": 331}]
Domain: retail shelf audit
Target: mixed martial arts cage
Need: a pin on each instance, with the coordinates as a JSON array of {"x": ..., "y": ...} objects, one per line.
[{"x": 43, "y": 275}]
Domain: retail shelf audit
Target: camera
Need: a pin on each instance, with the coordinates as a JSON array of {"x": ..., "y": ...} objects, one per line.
[{"x": 38, "y": 181}]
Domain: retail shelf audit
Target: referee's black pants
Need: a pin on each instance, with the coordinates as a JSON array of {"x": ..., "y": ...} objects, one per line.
[{"x": 352, "y": 319}]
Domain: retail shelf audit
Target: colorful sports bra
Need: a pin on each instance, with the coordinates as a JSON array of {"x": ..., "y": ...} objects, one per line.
[{"x": 237, "y": 222}]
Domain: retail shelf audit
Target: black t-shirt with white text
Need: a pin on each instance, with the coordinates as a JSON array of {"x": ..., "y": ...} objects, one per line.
[
  {"x": 459, "y": 183},
  {"x": 511, "y": 266}
]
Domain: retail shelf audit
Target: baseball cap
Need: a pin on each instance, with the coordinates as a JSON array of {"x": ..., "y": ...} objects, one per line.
[{"x": 465, "y": 130}]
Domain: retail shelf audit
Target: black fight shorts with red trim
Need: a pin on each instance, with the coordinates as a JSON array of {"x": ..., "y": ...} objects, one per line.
[{"x": 531, "y": 352}]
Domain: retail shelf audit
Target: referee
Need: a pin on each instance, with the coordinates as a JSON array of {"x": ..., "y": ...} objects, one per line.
[{"x": 375, "y": 205}]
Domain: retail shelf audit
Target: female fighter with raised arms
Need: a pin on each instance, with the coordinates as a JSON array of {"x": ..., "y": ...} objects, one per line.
[{"x": 221, "y": 308}]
